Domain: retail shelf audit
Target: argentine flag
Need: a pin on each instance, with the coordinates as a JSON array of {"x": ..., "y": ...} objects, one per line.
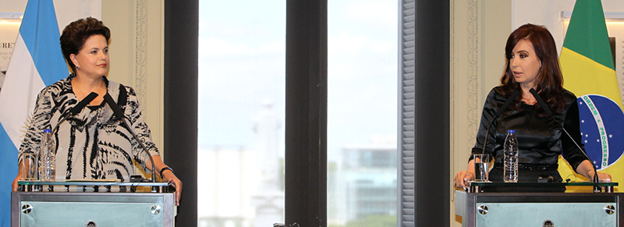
[{"x": 36, "y": 62}]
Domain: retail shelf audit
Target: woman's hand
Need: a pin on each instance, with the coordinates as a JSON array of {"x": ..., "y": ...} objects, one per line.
[
  {"x": 602, "y": 177},
  {"x": 166, "y": 174},
  {"x": 462, "y": 178},
  {"x": 176, "y": 183},
  {"x": 17, "y": 178},
  {"x": 587, "y": 170}
]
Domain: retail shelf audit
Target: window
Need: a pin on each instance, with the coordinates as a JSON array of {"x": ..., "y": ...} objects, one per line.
[
  {"x": 241, "y": 113},
  {"x": 241, "y": 72},
  {"x": 362, "y": 113}
]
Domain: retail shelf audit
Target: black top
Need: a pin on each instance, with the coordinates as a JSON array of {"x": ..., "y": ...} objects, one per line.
[{"x": 540, "y": 139}]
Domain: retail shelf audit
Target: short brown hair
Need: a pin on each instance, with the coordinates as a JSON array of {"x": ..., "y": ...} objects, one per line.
[{"x": 76, "y": 34}]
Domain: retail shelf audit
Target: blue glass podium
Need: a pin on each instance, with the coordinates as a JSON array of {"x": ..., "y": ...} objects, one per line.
[
  {"x": 511, "y": 209},
  {"x": 105, "y": 204}
]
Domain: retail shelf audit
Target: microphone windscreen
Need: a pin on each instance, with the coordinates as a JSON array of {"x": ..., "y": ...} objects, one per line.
[
  {"x": 84, "y": 102},
  {"x": 108, "y": 99},
  {"x": 541, "y": 102},
  {"x": 507, "y": 103}
]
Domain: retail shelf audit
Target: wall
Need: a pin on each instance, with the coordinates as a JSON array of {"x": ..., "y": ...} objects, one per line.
[
  {"x": 479, "y": 29},
  {"x": 137, "y": 54}
]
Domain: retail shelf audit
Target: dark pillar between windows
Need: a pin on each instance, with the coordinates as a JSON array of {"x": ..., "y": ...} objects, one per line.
[
  {"x": 180, "y": 101},
  {"x": 306, "y": 113},
  {"x": 432, "y": 114}
]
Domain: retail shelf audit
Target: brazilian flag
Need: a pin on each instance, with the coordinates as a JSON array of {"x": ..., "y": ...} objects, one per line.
[{"x": 588, "y": 71}]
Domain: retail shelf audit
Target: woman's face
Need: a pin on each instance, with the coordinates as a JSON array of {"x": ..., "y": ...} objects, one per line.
[
  {"x": 524, "y": 64},
  {"x": 92, "y": 59}
]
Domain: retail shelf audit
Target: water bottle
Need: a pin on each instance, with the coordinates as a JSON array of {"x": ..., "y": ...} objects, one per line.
[
  {"x": 511, "y": 157},
  {"x": 47, "y": 157}
]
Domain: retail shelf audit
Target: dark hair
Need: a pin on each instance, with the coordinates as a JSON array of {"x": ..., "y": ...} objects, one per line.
[
  {"x": 76, "y": 34},
  {"x": 549, "y": 80}
]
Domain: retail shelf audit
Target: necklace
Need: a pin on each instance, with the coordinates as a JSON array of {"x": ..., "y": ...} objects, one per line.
[{"x": 529, "y": 101}]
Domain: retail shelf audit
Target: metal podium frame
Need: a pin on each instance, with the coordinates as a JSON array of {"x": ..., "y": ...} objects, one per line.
[{"x": 92, "y": 208}]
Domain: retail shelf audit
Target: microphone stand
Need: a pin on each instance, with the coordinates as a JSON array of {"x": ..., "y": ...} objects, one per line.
[
  {"x": 125, "y": 121},
  {"x": 550, "y": 114},
  {"x": 122, "y": 117},
  {"x": 498, "y": 114}
]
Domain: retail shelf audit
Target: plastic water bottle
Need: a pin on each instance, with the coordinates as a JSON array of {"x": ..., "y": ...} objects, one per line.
[
  {"x": 511, "y": 157},
  {"x": 47, "y": 157}
]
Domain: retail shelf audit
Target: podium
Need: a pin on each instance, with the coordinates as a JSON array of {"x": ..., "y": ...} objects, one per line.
[
  {"x": 103, "y": 208},
  {"x": 512, "y": 209}
]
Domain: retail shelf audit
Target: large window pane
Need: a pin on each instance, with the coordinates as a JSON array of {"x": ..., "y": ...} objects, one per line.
[
  {"x": 362, "y": 113},
  {"x": 241, "y": 113}
]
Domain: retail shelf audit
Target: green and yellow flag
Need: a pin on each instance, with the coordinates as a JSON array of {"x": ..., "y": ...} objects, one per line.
[{"x": 588, "y": 71}]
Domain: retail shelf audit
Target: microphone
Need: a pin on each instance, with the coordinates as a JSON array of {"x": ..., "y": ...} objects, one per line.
[
  {"x": 77, "y": 108},
  {"x": 550, "y": 114},
  {"x": 498, "y": 114},
  {"x": 119, "y": 114}
]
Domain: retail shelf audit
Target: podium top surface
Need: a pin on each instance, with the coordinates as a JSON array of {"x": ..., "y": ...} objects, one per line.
[
  {"x": 533, "y": 184},
  {"x": 93, "y": 183}
]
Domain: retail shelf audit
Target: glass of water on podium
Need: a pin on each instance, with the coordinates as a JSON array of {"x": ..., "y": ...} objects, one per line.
[
  {"x": 29, "y": 165},
  {"x": 481, "y": 167}
]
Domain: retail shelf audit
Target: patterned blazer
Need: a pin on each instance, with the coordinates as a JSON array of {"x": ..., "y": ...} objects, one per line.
[{"x": 93, "y": 144}]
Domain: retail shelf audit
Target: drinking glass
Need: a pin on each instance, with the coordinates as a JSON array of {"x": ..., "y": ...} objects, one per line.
[
  {"x": 481, "y": 167},
  {"x": 29, "y": 171}
]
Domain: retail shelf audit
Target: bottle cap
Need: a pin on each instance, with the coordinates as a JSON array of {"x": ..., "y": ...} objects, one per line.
[
  {"x": 47, "y": 130},
  {"x": 511, "y": 131}
]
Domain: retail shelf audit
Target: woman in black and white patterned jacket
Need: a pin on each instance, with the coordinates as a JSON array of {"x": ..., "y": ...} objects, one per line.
[{"x": 94, "y": 143}]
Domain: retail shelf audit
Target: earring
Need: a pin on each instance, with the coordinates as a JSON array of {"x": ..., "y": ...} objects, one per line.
[{"x": 78, "y": 67}]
